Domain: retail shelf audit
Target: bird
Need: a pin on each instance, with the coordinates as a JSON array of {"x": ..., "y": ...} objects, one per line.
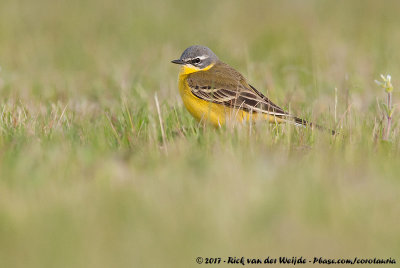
[{"x": 214, "y": 92}]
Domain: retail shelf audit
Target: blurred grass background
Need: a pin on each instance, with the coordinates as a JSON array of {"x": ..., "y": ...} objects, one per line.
[{"x": 86, "y": 180}]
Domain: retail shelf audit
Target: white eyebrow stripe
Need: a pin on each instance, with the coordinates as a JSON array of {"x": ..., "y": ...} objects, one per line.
[{"x": 202, "y": 57}]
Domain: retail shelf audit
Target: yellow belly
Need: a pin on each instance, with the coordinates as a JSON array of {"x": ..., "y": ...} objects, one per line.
[
  {"x": 216, "y": 114},
  {"x": 202, "y": 110}
]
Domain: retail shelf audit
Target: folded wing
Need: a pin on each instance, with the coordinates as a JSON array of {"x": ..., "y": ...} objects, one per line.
[{"x": 224, "y": 85}]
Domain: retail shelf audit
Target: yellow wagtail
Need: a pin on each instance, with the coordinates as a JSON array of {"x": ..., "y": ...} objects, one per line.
[{"x": 214, "y": 92}]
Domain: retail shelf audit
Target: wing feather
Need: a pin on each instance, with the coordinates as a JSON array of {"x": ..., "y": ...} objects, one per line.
[{"x": 224, "y": 85}]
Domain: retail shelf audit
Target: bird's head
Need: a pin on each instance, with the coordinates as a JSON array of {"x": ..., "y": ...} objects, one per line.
[{"x": 197, "y": 58}]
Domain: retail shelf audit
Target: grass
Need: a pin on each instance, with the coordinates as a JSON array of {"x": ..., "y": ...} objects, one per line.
[{"x": 88, "y": 179}]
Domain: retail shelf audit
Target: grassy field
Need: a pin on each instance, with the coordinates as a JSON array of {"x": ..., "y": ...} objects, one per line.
[{"x": 86, "y": 179}]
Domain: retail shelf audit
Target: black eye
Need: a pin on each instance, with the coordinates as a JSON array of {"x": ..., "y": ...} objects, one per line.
[{"x": 196, "y": 60}]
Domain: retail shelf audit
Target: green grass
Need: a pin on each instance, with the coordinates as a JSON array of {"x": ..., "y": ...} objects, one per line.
[{"x": 87, "y": 181}]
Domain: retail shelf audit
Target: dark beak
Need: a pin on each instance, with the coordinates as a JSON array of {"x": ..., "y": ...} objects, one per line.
[{"x": 178, "y": 61}]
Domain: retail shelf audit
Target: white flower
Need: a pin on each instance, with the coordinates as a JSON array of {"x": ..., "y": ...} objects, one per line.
[{"x": 386, "y": 84}]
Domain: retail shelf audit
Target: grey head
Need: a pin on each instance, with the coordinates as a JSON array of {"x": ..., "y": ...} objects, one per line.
[{"x": 197, "y": 56}]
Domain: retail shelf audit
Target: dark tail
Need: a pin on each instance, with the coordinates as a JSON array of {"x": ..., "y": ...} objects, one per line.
[{"x": 303, "y": 122}]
